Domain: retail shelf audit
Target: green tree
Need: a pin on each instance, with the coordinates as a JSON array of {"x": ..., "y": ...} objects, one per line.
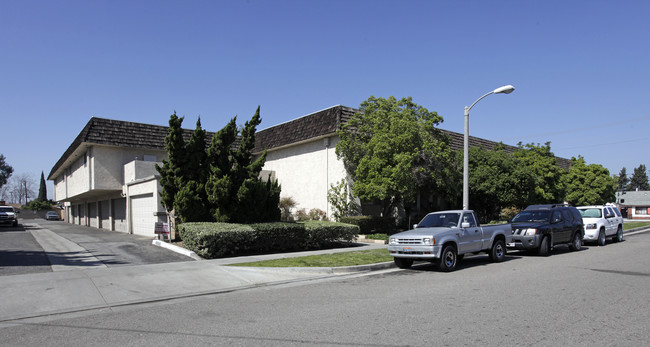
[
  {"x": 392, "y": 150},
  {"x": 541, "y": 162},
  {"x": 234, "y": 188},
  {"x": 191, "y": 202},
  {"x": 219, "y": 185},
  {"x": 341, "y": 201},
  {"x": 497, "y": 180},
  {"x": 623, "y": 180},
  {"x": 5, "y": 171},
  {"x": 171, "y": 171},
  {"x": 639, "y": 179},
  {"x": 589, "y": 184},
  {"x": 42, "y": 190}
]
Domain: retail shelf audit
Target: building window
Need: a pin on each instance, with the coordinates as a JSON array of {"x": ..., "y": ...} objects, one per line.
[{"x": 641, "y": 211}]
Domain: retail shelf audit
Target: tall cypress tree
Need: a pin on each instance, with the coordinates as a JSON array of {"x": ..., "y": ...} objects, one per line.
[
  {"x": 42, "y": 190},
  {"x": 219, "y": 184},
  {"x": 191, "y": 199},
  {"x": 170, "y": 172},
  {"x": 639, "y": 180},
  {"x": 234, "y": 188}
]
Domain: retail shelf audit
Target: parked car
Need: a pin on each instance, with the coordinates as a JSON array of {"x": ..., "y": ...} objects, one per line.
[
  {"x": 52, "y": 215},
  {"x": 8, "y": 216},
  {"x": 542, "y": 227},
  {"x": 601, "y": 222},
  {"x": 445, "y": 237}
]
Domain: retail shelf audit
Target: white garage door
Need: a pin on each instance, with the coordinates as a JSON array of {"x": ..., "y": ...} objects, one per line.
[{"x": 142, "y": 209}]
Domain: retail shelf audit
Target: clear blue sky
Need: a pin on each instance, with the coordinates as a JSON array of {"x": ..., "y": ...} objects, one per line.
[{"x": 581, "y": 69}]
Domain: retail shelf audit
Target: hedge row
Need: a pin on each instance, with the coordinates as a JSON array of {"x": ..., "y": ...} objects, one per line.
[
  {"x": 371, "y": 224},
  {"x": 214, "y": 240}
]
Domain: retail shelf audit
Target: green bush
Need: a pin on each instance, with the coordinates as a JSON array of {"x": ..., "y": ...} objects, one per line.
[
  {"x": 371, "y": 224},
  {"x": 323, "y": 234},
  {"x": 213, "y": 240}
]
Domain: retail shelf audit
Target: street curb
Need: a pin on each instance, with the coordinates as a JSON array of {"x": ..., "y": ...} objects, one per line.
[
  {"x": 327, "y": 270},
  {"x": 176, "y": 249}
]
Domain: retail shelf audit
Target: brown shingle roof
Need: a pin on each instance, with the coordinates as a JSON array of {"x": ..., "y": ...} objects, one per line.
[{"x": 325, "y": 122}]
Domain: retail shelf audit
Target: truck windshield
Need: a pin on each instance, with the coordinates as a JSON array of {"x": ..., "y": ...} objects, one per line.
[
  {"x": 448, "y": 220},
  {"x": 532, "y": 216},
  {"x": 6, "y": 209}
]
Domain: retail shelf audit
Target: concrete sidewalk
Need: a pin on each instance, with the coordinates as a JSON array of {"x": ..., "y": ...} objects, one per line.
[{"x": 84, "y": 283}]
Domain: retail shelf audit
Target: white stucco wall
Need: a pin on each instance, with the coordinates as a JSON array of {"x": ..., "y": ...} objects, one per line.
[
  {"x": 102, "y": 168},
  {"x": 305, "y": 172},
  {"x": 77, "y": 177}
]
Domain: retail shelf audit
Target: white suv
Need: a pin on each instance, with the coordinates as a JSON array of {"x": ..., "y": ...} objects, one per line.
[{"x": 601, "y": 222}]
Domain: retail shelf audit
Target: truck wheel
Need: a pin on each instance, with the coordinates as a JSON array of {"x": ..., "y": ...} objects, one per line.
[
  {"x": 403, "y": 263},
  {"x": 448, "y": 259},
  {"x": 544, "y": 246},
  {"x": 619, "y": 235},
  {"x": 601, "y": 238},
  {"x": 498, "y": 251},
  {"x": 576, "y": 244}
]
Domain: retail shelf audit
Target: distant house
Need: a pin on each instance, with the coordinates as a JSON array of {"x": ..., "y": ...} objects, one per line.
[
  {"x": 634, "y": 204},
  {"x": 107, "y": 177}
]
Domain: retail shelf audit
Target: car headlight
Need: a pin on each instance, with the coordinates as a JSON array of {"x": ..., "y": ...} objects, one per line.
[
  {"x": 530, "y": 232},
  {"x": 592, "y": 226},
  {"x": 392, "y": 241}
]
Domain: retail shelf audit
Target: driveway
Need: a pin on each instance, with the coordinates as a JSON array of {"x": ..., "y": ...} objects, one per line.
[{"x": 37, "y": 245}]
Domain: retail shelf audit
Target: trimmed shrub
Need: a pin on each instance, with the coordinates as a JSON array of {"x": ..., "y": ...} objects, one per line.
[
  {"x": 371, "y": 224},
  {"x": 213, "y": 240},
  {"x": 323, "y": 234}
]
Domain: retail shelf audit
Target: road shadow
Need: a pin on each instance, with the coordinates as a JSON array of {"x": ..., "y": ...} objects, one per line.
[{"x": 467, "y": 263}]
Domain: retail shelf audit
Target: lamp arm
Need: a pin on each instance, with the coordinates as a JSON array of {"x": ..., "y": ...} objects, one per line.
[{"x": 477, "y": 100}]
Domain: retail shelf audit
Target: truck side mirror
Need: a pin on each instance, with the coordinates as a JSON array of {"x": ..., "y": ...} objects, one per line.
[
  {"x": 464, "y": 225},
  {"x": 415, "y": 226}
]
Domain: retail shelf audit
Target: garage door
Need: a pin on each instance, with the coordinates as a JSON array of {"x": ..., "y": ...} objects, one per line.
[
  {"x": 142, "y": 209},
  {"x": 92, "y": 215},
  {"x": 119, "y": 214},
  {"x": 104, "y": 214}
]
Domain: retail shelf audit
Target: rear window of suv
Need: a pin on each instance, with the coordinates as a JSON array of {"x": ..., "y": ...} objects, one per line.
[{"x": 591, "y": 213}]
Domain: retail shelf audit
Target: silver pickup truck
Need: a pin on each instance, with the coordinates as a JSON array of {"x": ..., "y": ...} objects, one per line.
[{"x": 445, "y": 237}]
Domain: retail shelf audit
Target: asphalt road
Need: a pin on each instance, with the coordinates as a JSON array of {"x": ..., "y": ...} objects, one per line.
[
  {"x": 20, "y": 253},
  {"x": 595, "y": 297}
]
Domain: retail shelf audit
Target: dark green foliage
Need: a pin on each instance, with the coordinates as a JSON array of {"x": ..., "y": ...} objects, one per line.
[
  {"x": 42, "y": 190},
  {"x": 623, "y": 180},
  {"x": 371, "y": 224},
  {"x": 5, "y": 171},
  {"x": 213, "y": 240},
  {"x": 323, "y": 234},
  {"x": 392, "y": 151},
  {"x": 171, "y": 170},
  {"x": 639, "y": 179},
  {"x": 221, "y": 184},
  {"x": 38, "y": 205},
  {"x": 498, "y": 180},
  {"x": 191, "y": 201},
  {"x": 257, "y": 201},
  {"x": 589, "y": 184},
  {"x": 541, "y": 162},
  {"x": 233, "y": 187}
]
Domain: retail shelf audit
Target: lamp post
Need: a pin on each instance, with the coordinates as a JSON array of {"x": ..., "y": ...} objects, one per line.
[{"x": 501, "y": 90}]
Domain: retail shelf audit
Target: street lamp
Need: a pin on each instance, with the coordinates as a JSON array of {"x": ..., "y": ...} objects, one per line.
[{"x": 501, "y": 90}]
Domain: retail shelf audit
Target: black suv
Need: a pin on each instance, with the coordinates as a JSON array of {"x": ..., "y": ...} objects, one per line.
[{"x": 540, "y": 227}]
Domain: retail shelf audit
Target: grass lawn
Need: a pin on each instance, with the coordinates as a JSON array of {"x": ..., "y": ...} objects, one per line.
[
  {"x": 632, "y": 225},
  {"x": 328, "y": 260}
]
